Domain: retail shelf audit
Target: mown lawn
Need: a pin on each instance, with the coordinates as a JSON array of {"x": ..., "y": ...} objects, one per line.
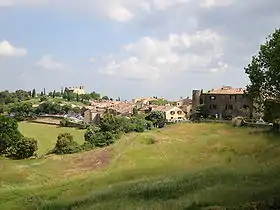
[
  {"x": 46, "y": 135},
  {"x": 191, "y": 166}
]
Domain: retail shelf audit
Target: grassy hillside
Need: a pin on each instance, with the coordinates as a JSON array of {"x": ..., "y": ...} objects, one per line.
[
  {"x": 191, "y": 166},
  {"x": 46, "y": 135}
]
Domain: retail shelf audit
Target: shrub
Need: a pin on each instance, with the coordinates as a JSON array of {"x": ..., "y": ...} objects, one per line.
[
  {"x": 238, "y": 121},
  {"x": 87, "y": 146},
  {"x": 125, "y": 125},
  {"x": 64, "y": 123},
  {"x": 9, "y": 133},
  {"x": 149, "y": 125},
  {"x": 66, "y": 145},
  {"x": 111, "y": 123},
  {"x": 24, "y": 148},
  {"x": 157, "y": 118},
  {"x": 276, "y": 125},
  {"x": 139, "y": 124},
  {"x": 1, "y": 109},
  {"x": 98, "y": 138},
  {"x": 149, "y": 140}
]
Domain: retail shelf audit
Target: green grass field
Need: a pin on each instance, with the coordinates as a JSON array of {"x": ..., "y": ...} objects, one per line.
[
  {"x": 191, "y": 166},
  {"x": 46, "y": 135}
]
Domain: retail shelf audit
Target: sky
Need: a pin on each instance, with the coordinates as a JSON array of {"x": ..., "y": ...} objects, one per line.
[{"x": 129, "y": 48}]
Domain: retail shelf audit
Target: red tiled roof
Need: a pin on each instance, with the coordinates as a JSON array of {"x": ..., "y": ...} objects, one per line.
[{"x": 226, "y": 90}]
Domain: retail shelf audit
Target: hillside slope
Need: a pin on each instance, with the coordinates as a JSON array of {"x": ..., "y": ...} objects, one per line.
[{"x": 190, "y": 166}]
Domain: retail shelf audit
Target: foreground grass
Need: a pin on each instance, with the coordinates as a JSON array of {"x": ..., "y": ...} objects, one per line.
[
  {"x": 191, "y": 166},
  {"x": 46, "y": 135}
]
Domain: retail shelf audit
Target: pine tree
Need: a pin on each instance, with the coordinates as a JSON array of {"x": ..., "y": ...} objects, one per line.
[
  {"x": 77, "y": 97},
  {"x": 33, "y": 93}
]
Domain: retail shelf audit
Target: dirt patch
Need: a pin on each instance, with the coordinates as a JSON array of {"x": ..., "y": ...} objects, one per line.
[{"x": 88, "y": 161}]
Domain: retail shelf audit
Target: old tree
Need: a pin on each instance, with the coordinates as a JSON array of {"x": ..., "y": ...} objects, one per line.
[{"x": 264, "y": 75}]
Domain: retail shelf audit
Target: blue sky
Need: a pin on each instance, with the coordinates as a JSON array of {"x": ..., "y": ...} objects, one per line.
[{"x": 131, "y": 48}]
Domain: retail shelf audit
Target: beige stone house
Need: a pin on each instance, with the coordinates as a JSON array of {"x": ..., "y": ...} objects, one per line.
[
  {"x": 92, "y": 117},
  {"x": 77, "y": 90},
  {"x": 172, "y": 113},
  {"x": 186, "y": 105}
]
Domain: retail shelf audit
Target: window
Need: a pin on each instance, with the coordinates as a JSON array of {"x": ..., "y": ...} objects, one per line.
[
  {"x": 171, "y": 118},
  {"x": 213, "y": 106},
  {"x": 230, "y": 107},
  {"x": 212, "y": 97},
  {"x": 232, "y": 97},
  {"x": 172, "y": 112},
  {"x": 179, "y": 118},
  {"x": 179, "y": 112}
]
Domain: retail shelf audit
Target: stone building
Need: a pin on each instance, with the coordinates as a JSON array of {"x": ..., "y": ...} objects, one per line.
[
  {"x": 186, "y": 105},
  {"x": 77, "y": 90},
  {"x": 225, "y": 102},
  {"x": 92, "y": 117}
]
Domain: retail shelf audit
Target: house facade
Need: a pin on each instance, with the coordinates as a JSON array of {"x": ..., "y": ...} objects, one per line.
[
  {"x": 225, "y": 102},
  {"x": 186, "y": 105},
  {"x": 77, "y": 90},
  {"x": 172, "y": 113},
  {"x": 92, "y": 117}
]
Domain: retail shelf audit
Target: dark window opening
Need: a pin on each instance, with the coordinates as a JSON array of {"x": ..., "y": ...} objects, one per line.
[
  {"x": 213, "y": 106},
  {"x": 229, "y": 107},
  {"x": 233, "y": 97}
]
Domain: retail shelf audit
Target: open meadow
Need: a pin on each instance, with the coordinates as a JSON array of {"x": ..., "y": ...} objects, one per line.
[
  {"x": 184, "y": 166},
  {"x": 46, "y": 135}
]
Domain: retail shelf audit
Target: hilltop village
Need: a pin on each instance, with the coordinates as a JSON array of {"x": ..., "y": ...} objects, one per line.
[{"x": 221, "y": 103}]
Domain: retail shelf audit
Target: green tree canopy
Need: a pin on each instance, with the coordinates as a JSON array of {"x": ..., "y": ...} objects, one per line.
[
  {"x": 157, "y": 118},
  {"x": 105, "y": 98},
  {"x": 264, "y": 72},
  {"x": 9, "y": 133}
]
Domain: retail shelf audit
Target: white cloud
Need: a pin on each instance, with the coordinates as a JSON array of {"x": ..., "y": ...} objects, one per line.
[
  {"x": 119, "y": 10},
  {"x": 6, "y": 49},
  {"x": 151, "y": 58},
  {"x": 47, "y": 62},
  {"x": 216, "y": 3}
]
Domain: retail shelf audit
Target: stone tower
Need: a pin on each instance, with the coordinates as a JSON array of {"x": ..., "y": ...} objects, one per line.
[{"x": 195, "y": 98}]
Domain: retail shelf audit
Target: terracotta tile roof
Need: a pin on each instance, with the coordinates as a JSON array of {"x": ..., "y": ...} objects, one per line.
[
  {"x": 135, "y": 100},
  {"x": 123, "y": 107},
  {"x": 226, "y": 90},
  {"x": 162, "y": 108}
]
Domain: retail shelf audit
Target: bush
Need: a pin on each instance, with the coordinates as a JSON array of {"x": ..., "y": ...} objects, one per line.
[
  {"x": 276, "y": 125},
  {"x": 1, "y": 109},
  {"x": 87, "y": 146},
  {"x": 66, "y": 145},
  {"x": 9, "y": 133},
  {"x": 43, "y": 98},
  {"x": 149, "y": 140},
  {"x": 24, "y": 148},
  {"x": 157, "y": 118},
  {"x": 238, "y": 121},
  {"x": 139, "y": 124},
  {"x": 98, "y": 138},
  {"x": 64, "y": 123},
  {"x": 149, "y": 125}
]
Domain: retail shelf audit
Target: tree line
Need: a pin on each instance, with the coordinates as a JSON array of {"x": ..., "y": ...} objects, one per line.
[
  {"x": 7, "y": 97},
  {"x": 110, "y": 129},
  {"x": 14, "y": 145}
]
